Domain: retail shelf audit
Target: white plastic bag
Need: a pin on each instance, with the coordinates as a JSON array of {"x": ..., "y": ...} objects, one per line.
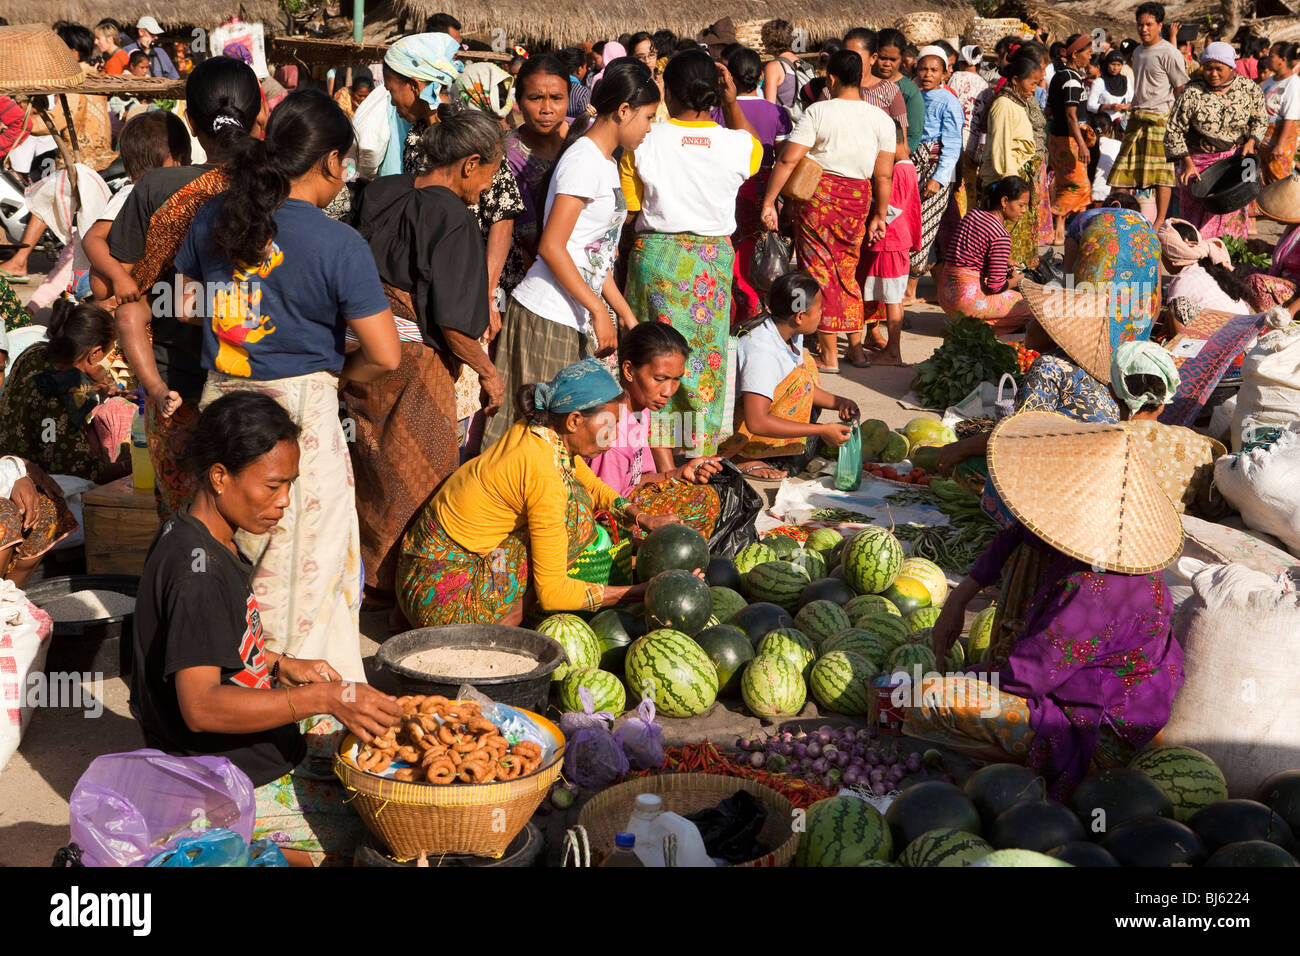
[
  {"x": 1270, "y": 384},
  {"x": 24, "y": 642},
  {"x": 370, "y": 122},
  {"x": 1262, "y": 484},
  {"x": 985, "y": 400}
]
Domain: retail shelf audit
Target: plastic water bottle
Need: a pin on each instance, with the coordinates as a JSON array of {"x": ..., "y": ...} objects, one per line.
[
  {"x": 624, "y": 852},
  {"x": 142, "y": 476},
  {"x": 650, "y": 823}
]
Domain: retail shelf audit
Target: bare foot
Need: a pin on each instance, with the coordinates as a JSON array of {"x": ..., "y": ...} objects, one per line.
[
  {"x": 877, "y": 341},
  {"x": 889, "y": 358},
  {"x": 857, "y": 357}
]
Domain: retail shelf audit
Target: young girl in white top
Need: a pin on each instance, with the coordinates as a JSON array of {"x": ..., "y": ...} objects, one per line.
[
  {"x": 682, "y": 181},
  {"x": 560, "y": 311}
]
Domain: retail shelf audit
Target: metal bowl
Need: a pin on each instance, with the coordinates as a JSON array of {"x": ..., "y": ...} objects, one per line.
[
  {"x": 528, "y": 690},
  {"x": 96, "y": 646}
]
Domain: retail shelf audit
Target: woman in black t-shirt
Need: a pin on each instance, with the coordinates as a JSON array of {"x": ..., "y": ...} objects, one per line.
[{"x": 203, "y": 682}]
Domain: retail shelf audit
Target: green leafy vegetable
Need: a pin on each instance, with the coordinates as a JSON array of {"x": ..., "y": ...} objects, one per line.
[
  {"x": 970, "y": 354},
  {"x": 1241, "y": 255}
]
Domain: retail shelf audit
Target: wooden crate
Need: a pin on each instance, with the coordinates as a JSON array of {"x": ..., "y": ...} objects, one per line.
[{"x": 120, "y": 524}]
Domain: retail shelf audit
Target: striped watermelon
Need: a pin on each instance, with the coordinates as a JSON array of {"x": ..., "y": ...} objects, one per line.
[
  {"x": 820, "y": 619},
  {"x": 606, "y": 690},
  {"x": 726, "y": 603},
  {"x": 909, "y": 655},
  {"x": 825, "y": 540},
  {"x": 1019, "y": 858},
  {"x": 777, "y": 582},
  {"x": 672, "y": 670},
  {"x": 888, "y": 628},
  {"x": 871, "y": 560},
  {"x": 981, "y": 632},
  {"x": 782, "y": 544},
  {"x": 921, "y": 619},
  {"x": 956, "y": 658},
  {"x": 944, "y": 847},
  {"x": 865, "y": 604},
  {"x": 1190, "y": 778},
  {"x": 752, "y": 555},
  {"x": 908, "y": 594},
  {"x": 773, "y": 687},
  {"x": 863, "y": 643},
  {"x": 839, "y": 681},
  {"x": 789, "y": 643},
  {"x": 810, "y": 561},
  {"x": 929, "y": 574},
  {"x": 843, "y": 831},
  {"x": 581, "y": 646}
]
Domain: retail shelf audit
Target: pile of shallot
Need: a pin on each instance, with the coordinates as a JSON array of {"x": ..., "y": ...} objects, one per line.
[{"x": 844, "y": 757}]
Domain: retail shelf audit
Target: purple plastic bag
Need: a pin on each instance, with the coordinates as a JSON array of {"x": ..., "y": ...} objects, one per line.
[
  {"x": 127, "y": 807},
  {"x": 641, "y": 739},
  {"x": 592, "y": 757}
]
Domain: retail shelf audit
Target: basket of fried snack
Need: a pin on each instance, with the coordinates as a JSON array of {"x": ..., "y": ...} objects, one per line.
[{"x": 447, "y": 779}]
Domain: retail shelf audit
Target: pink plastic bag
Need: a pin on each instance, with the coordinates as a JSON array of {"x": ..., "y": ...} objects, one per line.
[{"x": 127, "y": 807}]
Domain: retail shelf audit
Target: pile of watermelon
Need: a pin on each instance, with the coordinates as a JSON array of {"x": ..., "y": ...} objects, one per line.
[{"x": 1169, "y": 807}]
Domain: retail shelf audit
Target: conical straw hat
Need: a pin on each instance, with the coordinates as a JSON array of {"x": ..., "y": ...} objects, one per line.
[
  {"x": 33, "y": 56},
  {"x": 1078, "y": 320},
  {"x": 1085, "y": 490},
  {"x": 1281, "y": 200}
]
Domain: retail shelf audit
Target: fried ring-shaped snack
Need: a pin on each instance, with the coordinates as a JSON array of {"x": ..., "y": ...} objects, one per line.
[
  {"x": 408, "y": 774},
  {"x": 408, "y": 754},
  {"x": 436, "y": 752},
  {"x": 468, "y": 708},
  {"x": 413, "y": 728},
  {"x": 527, "y": 748},
  {"x": 366, "y": 759},
  {"x": 480, "y": 725},
  {"x": 497, "y": 746},
  {"x": 406, "y": 702},
  {"x": 476, "y": 771},
  {"x": 440, "y": 772},
  {"x": 447, "y": 734},
  {"x": 433, "y": 704},
  {"x": 510, "y": 768},
  {"x": 385, "y": 760},
  {"x": 429, "y": 722},
  {"x": 467, "y": 745}
]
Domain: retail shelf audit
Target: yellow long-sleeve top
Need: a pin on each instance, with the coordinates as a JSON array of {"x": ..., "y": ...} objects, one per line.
[
  {"x": 1010, "y": 141},
  {"x": 518, "y": 486}
]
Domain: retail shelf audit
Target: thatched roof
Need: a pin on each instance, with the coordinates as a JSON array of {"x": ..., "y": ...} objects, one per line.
[
  {"x": 170, "y": 15},
  {"x": 563, "y": 22}
]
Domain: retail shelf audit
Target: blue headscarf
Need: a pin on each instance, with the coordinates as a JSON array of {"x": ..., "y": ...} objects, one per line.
[
  {"x": 576, "y": 388},
  {"x": 431, "y": 58}
]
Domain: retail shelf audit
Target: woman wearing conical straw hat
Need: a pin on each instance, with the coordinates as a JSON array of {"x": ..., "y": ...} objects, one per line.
[{"x": 1095, "y": 671}]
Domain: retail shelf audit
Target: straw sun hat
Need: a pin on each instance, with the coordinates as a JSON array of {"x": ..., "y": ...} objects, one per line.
[
  {"x": 32, "y": 55},
  {"x": 1085, "y": 490},
  {"x": 1281, "y": 200},
  {"x": 1078, "y": 320}
]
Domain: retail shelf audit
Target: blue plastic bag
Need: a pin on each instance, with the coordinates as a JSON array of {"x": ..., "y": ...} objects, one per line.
[
  {"x": 848, "y": 466},
  {"x": 216, "y": 847}
]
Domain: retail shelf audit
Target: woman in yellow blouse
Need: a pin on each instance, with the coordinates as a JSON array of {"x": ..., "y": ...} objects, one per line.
[
  {"x": 1011, "y": 149},
  {"x": 515, "y": 519}
]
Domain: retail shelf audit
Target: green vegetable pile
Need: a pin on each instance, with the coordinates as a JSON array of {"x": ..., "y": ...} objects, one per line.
[
  {"x": 970, "y": 354},
  {"x": 956, "y": 546},
  {"x": 1241, "y": 255}
]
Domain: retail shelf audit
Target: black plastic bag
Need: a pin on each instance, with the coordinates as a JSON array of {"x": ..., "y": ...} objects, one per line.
[
  {"x": 770, "y": 261},
  {"x": 1049, "y": 271},
  {"x": 740, "y": 505},
  {"x": 730, "y": 830}
]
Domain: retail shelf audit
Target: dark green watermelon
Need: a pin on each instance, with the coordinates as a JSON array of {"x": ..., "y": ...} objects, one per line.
[
  {"x": 827, "y": 589},
  {"x": 1037, "y": 825},
  {"x": 1282, "y": 792},
  {"x": 726, "y": 603},
  {"x": 1155, "y": 841},
  {"x": 730, "y": 651},
  {"x": 672, "y": 547},
  {"x": 722, "y": 573},
  {"x": 615, "y": 631},
  {"x": 1082, "y": 853},
  {"x": 998, "y": 786},
  {"x": 1251, "y": 853},
  {"x": 781, "y": 544},
  {"x": 678, "y": 600},
  {"x": 1113, "y": 797},
  {"x": 758, "y": 619},
  {"x": 929, "y": 806},
  {"x": 1235, "y": 821},
  {"x": 837, "y": 573}
]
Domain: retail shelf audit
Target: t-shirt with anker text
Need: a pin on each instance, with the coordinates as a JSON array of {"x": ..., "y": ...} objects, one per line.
[{"x": 587, "y": 173}]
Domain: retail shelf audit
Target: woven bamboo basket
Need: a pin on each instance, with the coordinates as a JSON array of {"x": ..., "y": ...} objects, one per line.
[
  {"x": 985, "y": 32},
  {"x": 33, "y": 55},
  {"x": 607, "y": 812},
  {"x": 478, "y": 819},
  {"x": 921, "y": 27}
]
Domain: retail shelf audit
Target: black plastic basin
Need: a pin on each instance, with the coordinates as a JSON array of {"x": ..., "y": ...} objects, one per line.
[
  {"x": 528, "y": 690},
  {"x": 102, "y": 645}
]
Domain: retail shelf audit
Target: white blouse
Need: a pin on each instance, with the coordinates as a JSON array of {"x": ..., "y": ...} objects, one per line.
[{"x": 1099, "y": 96}]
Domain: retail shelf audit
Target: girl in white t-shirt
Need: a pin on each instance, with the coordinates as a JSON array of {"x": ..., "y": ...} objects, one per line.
[
  {"x": 778, "y": 385},
  {"x": 1282, "y": 102},
  {"x": 560, "y": 311},
  {"x": 682, "y": 182}
]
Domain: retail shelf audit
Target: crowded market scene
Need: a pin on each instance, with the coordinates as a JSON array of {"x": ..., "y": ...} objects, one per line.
[{"x": 660, "y": 438}]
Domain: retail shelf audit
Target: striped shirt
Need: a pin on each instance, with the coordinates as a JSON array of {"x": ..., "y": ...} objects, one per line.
[
  {"x": 980, "y": 241},
  {"x": 407, "y": 331}
]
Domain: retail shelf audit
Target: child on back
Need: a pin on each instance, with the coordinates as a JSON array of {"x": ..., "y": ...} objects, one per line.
[
  {"x": 149, "y": 141},
  {"x": 883, "y": 267}
]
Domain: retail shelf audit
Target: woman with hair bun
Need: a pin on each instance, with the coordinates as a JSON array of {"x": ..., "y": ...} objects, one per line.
[
  {"x": 682, "y": 181},
  {"x": 284, "y": 284}
]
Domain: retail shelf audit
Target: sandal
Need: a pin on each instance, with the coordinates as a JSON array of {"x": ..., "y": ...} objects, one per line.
[
  {"x": 750, "y": 469},
  {"x": 14, "y": 279}
]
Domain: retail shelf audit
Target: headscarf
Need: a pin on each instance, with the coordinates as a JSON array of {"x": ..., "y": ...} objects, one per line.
[
  {"x": 933, "y": 50},
  {"x": 971, "y": 55},
  {"x": 1219, "y": 52},
  {"x": 1081, "y": 41},
  {"x": 1116, "y": 85},
  {"x": 576, "y": 388},
  {"x": 487, "y": 87},
  {"x": 608, "y": 54},
  {"x": 1143, "y": 358},
  {"x": 1181, "y": 253},
  {"x": 429, "y": 57},
  {"x": 239, "y": 51}
]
